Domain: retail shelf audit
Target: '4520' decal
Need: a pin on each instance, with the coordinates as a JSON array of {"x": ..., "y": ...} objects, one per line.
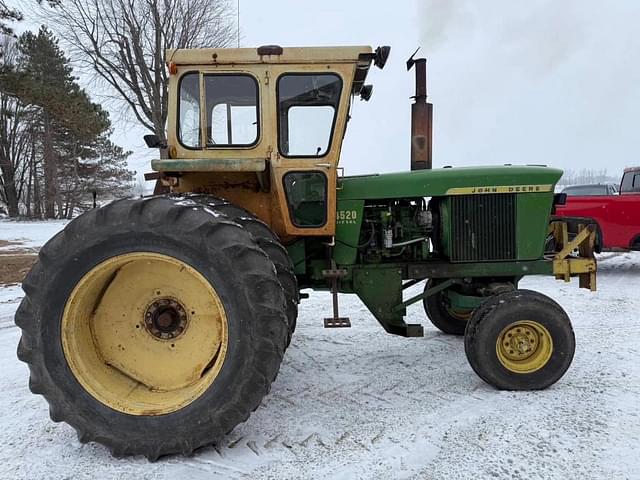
[{"x": 346, "y": 216}]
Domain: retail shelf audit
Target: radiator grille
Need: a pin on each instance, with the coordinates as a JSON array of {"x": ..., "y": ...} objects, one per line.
[{"x": 483, "y": 227}]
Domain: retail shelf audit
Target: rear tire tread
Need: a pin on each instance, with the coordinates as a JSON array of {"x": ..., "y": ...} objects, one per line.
[{"x": 269, "y": 243}]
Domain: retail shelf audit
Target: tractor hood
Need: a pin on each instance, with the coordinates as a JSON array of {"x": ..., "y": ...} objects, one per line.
[{"x": 450, "y": 181}]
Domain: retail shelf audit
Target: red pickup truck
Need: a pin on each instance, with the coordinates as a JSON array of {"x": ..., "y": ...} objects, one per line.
[{"x": 617, "y": 217}]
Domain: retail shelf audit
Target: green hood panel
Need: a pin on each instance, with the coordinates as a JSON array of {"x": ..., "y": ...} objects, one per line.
[{"x": 440, "y": 181}]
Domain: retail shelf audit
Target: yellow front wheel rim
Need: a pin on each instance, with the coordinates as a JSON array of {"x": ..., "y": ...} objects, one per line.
[
  {"x": 524, "y": 346},
  {"x": 462, "y": 314},
  {"x": 144, "y": 333}
]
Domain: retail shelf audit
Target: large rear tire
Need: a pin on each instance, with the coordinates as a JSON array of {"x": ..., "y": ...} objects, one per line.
[{"x": 152, "y": 326}]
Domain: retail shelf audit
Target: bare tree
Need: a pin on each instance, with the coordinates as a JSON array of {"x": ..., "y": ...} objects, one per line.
[
  {"x": 15, "y": 135},
  {"x": 123, "y": 43},
  {"x": 587, "y": 176}
]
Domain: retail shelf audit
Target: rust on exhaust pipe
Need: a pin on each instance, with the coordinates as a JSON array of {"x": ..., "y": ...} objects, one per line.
[{"x": 421, "y": 118}]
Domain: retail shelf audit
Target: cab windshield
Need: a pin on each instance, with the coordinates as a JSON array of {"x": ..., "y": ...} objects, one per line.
[{"x": 230, "y": 110}]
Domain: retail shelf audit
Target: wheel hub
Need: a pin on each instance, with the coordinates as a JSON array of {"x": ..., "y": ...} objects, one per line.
[
  {"x": 524, "y": 346},
  {"x": 165, "y": 319},
  {"x": 519, "y": 343}
]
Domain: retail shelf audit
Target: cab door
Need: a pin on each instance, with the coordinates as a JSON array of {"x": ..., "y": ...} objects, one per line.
[{"x": 311, "y": 111}]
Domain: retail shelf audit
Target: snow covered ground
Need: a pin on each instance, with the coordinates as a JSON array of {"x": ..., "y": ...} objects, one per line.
[
  {"x": 358, "y": 403},
  {"x": 27, "y": 236}
]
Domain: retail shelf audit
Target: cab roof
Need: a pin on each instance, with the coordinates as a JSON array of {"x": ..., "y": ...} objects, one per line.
[
  {"x": 362, "y": 56},
  {"x": 269, "y": 54}
]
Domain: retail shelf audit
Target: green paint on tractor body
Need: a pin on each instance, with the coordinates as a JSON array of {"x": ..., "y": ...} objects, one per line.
[
  {"x": 472, "y": 225},
  {"x": 534, "y": 206},
  {"x": 438, "y": 181}
]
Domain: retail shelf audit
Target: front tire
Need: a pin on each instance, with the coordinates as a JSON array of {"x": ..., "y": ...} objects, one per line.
[
  {"x": 520, "y": 340},
  {"x": 166, "y": 300},
  {"x": 442, "y": 314}
]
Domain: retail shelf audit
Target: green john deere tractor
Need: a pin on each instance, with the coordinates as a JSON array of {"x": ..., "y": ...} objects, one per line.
[{"x": 156, "y": 325}]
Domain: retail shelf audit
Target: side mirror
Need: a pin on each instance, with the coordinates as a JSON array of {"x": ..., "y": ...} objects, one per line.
[
  {"x": 153, "y": 141},
  {"x": 559, "y": 199},
  {"x": 381, "y": 56},
  {"x": 365, "y": 92}
]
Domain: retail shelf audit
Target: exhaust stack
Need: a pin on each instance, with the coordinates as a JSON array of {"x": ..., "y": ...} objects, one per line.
[{"x": 421, "y": 118}]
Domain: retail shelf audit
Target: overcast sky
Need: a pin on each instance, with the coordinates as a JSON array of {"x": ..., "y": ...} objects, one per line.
[{"x": 512, "y": 81}]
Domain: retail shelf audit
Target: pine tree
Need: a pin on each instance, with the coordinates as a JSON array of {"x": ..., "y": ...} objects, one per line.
[
  {"x": 72, "y": 129},
  {"x": 99, "y": 170},
  {"x": 45, "y": 80},
  {"x": 65, "y": 136}
]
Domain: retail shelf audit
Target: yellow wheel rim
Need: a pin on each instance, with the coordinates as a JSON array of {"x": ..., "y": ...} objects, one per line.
[
  {"x": 144, "y": 333},
  {"x": 524, "y": 346},
  {"x": 462, "y": 314}
]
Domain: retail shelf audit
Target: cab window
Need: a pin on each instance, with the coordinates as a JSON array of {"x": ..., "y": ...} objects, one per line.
[
  {"x": 232, "y": 110},
  {"x": 189, "y": 110},
  {"x": 307, "y": 198},
  {"x": 307, "y": 107}
]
